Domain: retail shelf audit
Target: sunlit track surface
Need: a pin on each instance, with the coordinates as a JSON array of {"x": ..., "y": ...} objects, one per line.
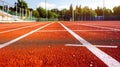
[
  {"x": 100, "y": 37},
  {"x": 13, "y": 26},
  {"x": 4, "y": 37},
  {"x": 54, "y": 46},
  {"x": 5, "y": 25}
]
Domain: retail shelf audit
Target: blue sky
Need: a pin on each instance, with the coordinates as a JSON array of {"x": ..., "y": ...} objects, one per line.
[{"x": 60, "y": 4}]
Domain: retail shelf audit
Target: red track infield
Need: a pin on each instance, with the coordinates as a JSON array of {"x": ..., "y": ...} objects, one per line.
[{"x": 46, "y": 47}]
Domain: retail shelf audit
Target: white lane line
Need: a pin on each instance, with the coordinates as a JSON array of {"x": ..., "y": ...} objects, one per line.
[
  {"x": 23, "y": 36},
  {"x": 18, "y": 28},
  {"x": 101, "y": 27},
  {"x": 102, "y": 46},
  {"x": 108, "y": 60},
  {"x": 76, "y": 30}
]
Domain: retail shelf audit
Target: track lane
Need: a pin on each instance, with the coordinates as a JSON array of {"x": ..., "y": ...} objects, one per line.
[
  {"x": 15, "y": 27},
  {"x": 46, "y": 37},
  {"x": 110, "y": 38},
  {"x": 22, "y": 36},
  {"x": 11, "y": 27},
  {"x": 104, "y": 27},
  {"x": 11, "y": 30},
  {"x": 107, "y": 59},
  {"x": 5, "y": 25},
  {"x": 14, "y": 34},
  {"x": 109, "y": 24},
  {"x": 96, "y": 35}
]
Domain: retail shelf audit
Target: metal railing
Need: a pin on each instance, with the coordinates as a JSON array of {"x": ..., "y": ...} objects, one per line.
[{"x": 11, "y": 12}]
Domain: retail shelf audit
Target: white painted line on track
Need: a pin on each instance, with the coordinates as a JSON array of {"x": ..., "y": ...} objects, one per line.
[
  {"x": 101, "y": 27},
  {"x": 23, "y": 36},
  {"x": 108, "y": 60},
  {"x": 18, "y": 28},
  {"x": 102, "y": 46}
]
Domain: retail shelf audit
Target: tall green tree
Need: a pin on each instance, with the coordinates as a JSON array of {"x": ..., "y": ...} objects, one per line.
[
  {"x": 107, "y": 12},
  {"x": 22, "y": 4},
  {"x": 99, "y": 11},
  {"x": 86, "y": 11},
  {"x": 36, "y": 14},
  {"x": 56, "y": 12},
  {"x": 116, "y": 10},
  {"x": 51, "y": 14},
  {"x": 71, "y": 10},
  {"x": 78, "y": 12},
  {"x": 42, "y": 12},
  {"x": 65, "y": 14}
]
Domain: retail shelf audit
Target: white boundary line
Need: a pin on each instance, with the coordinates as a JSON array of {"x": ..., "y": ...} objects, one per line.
[
  {"x": 79, "y": 45},
  {"x": 23, "y": 36},
  {"x": 108, "y": 60},
  {"x": 101, "y": 27},
  {"x": 18, "y": 28}
]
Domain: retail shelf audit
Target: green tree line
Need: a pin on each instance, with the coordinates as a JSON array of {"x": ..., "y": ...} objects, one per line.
[{"x": 79, "y": 12}]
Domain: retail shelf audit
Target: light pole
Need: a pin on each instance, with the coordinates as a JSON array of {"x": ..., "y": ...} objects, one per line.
[
  {"x": 30, "y": 13},
  {"x": 2, "y": 9},
  {"x": 72, "y": 5},
  {"x": 16, "y": 8},
  {"x": 46, "y": 9},
  {"x": 103, "y": 9},
  {"x": 73, "y": 14},
  {"x": 7, "y": 11}
]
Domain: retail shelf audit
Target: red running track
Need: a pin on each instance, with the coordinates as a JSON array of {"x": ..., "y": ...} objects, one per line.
[{"x": 46, "y": 47}]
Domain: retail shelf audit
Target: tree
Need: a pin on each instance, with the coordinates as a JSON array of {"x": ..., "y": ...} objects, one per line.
[
  {"x": 93, "y": 13},
  {"x": 22, "y": 4},
  {"x": 99, "y": 11},
  {"x": 71, "y": 10},
  {"x": 78, "y": 11},
  {"x": 1, "y": 7},
  {"x": 56, "y": 12},
  {"x": 36, "y": 14},
  {"x": 86, "y": 13},
  {"x": 116, "y": 11},
  {"x": 42, "y": 12},
  {"x": 66, "y": 14},
  {"x": 51, "y": 14},
  {"x": 108, "y": 12},
  {"x": 77, "y": 14}
]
